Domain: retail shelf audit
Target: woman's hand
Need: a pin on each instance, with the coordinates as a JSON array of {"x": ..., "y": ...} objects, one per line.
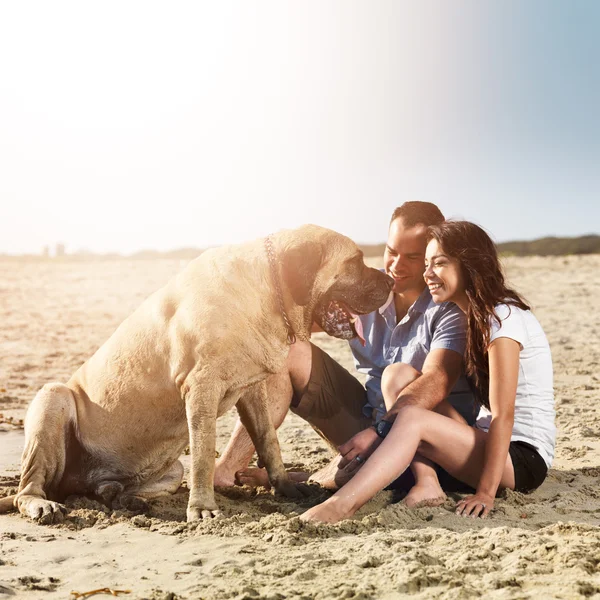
[{"x": 478, "y": 505}]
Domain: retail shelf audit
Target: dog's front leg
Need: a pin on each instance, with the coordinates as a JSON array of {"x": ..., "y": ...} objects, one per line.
[
  {"x": 254, "y": 414},
  {"x": 201, "y": 406}
]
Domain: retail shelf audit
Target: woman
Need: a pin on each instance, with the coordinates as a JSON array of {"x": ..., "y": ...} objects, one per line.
[{"x": 509, "y": 364}]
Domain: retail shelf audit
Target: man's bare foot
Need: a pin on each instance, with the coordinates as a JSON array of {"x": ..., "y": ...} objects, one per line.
[
  {"x": 330, "y": 511},
  {"x": 330, "y": 477},
  {"x": 258, "y": 477},
  {"x": 253, "y": 477},
  {"x": 223, "y": 477},
  {"x": 427, "y": 493}
]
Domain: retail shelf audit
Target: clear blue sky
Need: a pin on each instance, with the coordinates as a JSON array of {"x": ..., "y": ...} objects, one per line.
[{"x": 128, "y": 126}]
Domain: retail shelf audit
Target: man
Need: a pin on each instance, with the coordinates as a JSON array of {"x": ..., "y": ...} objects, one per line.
[{"x": 410, "y": 329}]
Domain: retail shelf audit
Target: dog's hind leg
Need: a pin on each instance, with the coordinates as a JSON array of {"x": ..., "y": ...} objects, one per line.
[
  {"x": 49, "y": 417},
  {"x": 168, "y": 484}
]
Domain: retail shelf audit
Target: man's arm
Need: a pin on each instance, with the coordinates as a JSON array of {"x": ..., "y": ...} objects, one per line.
[{"x": 441, "y": 371}]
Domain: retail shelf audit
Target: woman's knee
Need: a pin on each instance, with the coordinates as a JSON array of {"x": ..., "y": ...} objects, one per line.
[
  {"x": 394, "y": 379},
  {"x": 412, "y": 419},
  {"x": 418, "y": 419}
]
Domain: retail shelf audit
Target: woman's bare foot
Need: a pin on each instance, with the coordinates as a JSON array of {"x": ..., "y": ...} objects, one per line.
[
  {"x": 258, "y": 477},
  {"x": 425, "y": 493},
  {"x": 330, "y": 511}
]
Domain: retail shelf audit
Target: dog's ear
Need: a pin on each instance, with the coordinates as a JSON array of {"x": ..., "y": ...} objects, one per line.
[{"x": 300, "y": 265}]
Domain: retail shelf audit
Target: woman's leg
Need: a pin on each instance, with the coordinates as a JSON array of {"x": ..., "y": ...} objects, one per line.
[
  {"x": 427, "y": 490},
  {"x": 457, "y": 447}
]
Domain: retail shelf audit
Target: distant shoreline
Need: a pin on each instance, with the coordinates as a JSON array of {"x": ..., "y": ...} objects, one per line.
[{"x": 547, "y": 246}]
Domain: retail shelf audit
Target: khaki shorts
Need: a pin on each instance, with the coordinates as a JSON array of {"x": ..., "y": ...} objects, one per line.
[{"x": 333, "y": 401}]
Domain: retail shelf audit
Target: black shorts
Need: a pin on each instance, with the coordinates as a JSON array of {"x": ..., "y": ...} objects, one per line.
[
  {"x": 530, "y": 468},
  {"x": 530, "y": 471}
]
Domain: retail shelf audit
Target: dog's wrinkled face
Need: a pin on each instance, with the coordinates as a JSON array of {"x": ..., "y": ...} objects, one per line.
[
  {"x": 326, "y": 271},
  {"x": 357, "y": 290}
]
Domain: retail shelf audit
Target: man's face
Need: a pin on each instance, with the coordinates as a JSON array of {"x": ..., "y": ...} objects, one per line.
[{"x": 404, "y": 256}]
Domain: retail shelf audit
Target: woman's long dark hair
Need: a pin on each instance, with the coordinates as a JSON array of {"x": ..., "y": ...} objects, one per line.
[{"x": 485, "y": 288}]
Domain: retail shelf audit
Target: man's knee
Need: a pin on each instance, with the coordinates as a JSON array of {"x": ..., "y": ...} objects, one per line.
[
  {"x": 394, "y": 379},
  {"x": 299, "y": 365}
]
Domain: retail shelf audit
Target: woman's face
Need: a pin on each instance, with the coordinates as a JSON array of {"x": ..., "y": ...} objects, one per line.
[{"x": 443, "y": 275}]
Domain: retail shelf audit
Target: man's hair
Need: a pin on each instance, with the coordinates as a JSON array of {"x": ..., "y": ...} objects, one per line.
[{"x": 418, "y": 213}]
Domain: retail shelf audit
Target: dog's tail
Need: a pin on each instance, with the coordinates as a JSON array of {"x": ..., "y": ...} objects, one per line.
[{"x": 7, "y": 504}]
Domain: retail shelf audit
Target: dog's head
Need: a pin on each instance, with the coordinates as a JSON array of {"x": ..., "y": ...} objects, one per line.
[{"x": 325, "y": 272}]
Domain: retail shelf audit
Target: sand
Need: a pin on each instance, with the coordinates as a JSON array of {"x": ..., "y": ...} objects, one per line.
[{"x": 55, "y": 314}]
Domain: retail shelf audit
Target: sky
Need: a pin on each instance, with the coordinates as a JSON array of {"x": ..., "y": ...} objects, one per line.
[{"x": 156, "y": 125}]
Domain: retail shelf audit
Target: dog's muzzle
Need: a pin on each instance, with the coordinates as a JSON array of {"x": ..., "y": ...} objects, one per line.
[{"x": 337, "y": 320}]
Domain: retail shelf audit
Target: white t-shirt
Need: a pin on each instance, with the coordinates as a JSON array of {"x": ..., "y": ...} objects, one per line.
[{"x": 534, "y": 403}]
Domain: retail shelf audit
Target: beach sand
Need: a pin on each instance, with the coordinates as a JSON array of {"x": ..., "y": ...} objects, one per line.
[{"x": 56, "y": 313}]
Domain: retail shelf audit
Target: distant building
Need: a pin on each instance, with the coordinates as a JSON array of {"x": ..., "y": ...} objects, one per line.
[
  {"x": 46, "y": 251},
  {"x": 60, "y": 250}
]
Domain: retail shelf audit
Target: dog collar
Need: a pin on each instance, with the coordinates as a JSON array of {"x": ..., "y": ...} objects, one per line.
[{"x": 291, "y": 336}]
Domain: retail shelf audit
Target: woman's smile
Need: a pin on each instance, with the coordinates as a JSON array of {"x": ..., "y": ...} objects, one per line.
[{"x": 442, "y": 274}]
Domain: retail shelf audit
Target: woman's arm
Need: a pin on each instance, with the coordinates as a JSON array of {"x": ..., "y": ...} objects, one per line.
[{"x": 503, "y": 354}]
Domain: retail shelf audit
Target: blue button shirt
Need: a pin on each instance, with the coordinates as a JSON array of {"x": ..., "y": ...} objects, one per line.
[{"x": 425, "y": 327}]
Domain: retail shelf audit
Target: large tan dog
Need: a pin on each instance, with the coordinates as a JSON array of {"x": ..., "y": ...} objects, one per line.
[{"x": 203, "y": 343}]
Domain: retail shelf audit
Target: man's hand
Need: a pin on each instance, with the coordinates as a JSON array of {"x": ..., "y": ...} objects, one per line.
[
  {"x": 363, "y": 444},
  {"x": 441, "y": 370},
  {"x": 478, "y": 505}
]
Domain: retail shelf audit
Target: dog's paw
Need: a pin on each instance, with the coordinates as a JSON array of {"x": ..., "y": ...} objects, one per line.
[
  {"x": 305, "y": 489},
  {"x": 197, "y": 514},
  {"x": 292, "y": 489},
  {"x": 44, "y": 512}
]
